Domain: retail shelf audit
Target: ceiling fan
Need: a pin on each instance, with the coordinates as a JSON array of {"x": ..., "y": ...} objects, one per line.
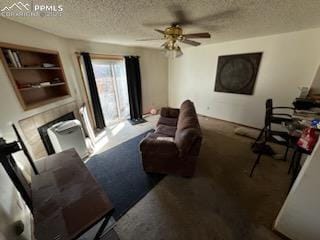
[{"x": 174, "y": 34}]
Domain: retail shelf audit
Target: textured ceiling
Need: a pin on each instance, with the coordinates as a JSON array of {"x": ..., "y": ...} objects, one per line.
[{"x": 123, "y": 21}]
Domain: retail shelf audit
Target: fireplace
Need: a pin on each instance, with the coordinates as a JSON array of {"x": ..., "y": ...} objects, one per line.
[
  {"x": 30, "y": 127},
  {"x": 44, "y": 134}
]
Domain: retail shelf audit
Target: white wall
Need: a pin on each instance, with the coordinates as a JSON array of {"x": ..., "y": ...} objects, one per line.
[
  {"x": 154, "y": 77},
  {"x": 289, "y": 61},
  {"x": 299, "y": 218}
]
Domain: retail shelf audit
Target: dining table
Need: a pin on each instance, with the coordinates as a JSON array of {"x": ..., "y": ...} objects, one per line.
[
  {"x": 67, "y": 200},
  {"x": 295, "y": 129}
]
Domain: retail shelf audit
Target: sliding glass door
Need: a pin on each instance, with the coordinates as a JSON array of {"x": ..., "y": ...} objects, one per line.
[{"x": 112, "y": 88}]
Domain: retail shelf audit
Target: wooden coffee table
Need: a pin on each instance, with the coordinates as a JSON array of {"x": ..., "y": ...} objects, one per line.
[{"x": 67, "y": 200}]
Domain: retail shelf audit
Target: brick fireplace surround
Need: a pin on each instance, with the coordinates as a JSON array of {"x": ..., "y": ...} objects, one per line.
[{"x": 30, "y": 125}]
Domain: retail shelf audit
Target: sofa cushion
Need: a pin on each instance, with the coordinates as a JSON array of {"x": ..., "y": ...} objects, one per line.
[
  {"x": 169, "y": 112},
  {"x": 166, "y": 130},
  {"x": 155, "y": 135},
  {"x": 168, "y": 121},
  {"x": 151, "y": 146}
]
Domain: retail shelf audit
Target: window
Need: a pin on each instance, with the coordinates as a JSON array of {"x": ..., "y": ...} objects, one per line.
[{"x": 112, "y": 88}]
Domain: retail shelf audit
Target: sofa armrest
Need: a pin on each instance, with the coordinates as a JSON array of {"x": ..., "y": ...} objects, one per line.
[
  {"x": 188, "y": 141},
  {"x": 169, "y": 112},
  {"x": 154, "y": 146}
]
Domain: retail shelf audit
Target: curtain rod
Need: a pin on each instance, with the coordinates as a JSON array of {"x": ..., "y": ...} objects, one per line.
[{"x": 107, "y": 55}]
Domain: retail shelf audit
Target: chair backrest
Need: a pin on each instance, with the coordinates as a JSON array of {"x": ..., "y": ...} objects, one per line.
[
  {"x": 269, "y": 103},
  {"x": 269, "y": 111}
]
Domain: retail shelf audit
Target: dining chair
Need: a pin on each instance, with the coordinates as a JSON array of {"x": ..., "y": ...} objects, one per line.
[
  {"x": 267, "y": 134},
  {"x": 272, "y": 117}
]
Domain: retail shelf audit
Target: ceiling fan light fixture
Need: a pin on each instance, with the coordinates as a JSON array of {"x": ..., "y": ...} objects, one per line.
[
  {"x": 178, "y": 52},
  {"x": 172, "y": 50}
]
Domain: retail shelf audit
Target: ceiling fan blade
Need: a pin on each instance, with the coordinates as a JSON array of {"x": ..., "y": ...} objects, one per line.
[
  {"x": 179, "y": 15},
  {"x": 197, "y": 35},
  {"x": 223, "y": 14},
  {"x": 149, "y": 39},
  {"x": 157, "y": 24},
  {"x": 159, "y": 31},
  {"x": 190, "y": 42},
  {"x": 181, "y": 18},
  {"x": 209, "y": 27}
]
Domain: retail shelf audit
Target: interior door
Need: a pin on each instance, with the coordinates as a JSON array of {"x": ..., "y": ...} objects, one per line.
[{"x": 112, "y": 88}]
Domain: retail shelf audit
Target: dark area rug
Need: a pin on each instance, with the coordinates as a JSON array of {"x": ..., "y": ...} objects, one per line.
[{"x": 119, "y": 170}]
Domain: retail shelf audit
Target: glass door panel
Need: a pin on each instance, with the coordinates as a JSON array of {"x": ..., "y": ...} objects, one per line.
[
  {"x": 122, "y": 90},
  {"x": 112, "y": 88}
]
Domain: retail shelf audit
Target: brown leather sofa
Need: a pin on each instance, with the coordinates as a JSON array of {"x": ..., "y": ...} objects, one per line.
[{"x": 177, "y": 155}]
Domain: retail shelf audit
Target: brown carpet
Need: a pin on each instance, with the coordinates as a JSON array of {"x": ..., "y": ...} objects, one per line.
[{"x": 221, "y": 202}]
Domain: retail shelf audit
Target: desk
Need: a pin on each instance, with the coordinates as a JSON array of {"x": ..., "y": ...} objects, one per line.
[
  {"x": 305, "y": 119},
  {"x": 66, "y": 198},
  {"x": 295, "y": 129}
]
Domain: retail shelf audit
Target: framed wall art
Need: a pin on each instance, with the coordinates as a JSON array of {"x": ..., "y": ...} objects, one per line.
[{"x": 237, "y": 73}]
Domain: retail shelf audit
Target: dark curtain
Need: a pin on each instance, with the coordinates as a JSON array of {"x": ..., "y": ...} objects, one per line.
[
  {"x": 97, "y": 110},
  {"x": 134, "y": 87}
]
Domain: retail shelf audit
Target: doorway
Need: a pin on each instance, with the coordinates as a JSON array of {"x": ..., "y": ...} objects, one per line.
[{"x": 110, "y": 75}]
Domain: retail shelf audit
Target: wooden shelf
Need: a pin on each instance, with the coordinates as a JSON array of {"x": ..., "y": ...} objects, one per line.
[
  {"x": 44, "y": 102},
  {"x": 33, "y": 73},
  {"x": 35, "y": 68},
  {"x": 39, "y": 87}
]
